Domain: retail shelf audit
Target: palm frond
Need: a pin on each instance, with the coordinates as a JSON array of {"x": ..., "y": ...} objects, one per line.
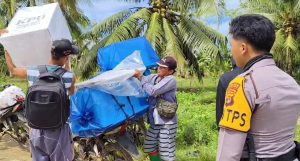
[
  {"x": 210, "y": 8},
  {"x": 108, "y": 25},
  {"x": 295, "y": 13},
  {"x": 3, "y": 14},
  {"x": 214, "y": 35},
  {"x": 76, "y": 14},
  {"x": 70, "y": 7},
  {"x": 74, "y": 28},
  {"x": 173, "y": 45},
  {"x": 87, "y": 65},
  {"x": 2, "y": 24},
  {"x": 155, "y": 34},
  {"x": 263, "y": 6},
  {"x": 192, "y": 59},
  {"x": 196, "y": 39},
  {"x": 290, "y": 43},
  {"x": 199, "y": 7},
  {"x": 12, "y": 7},
  {"x": 130, "y": 27},
  {"x": 297, "y": 6},
  {"x": 279, "y": 41},
  {"x": 278, "y": 48}
]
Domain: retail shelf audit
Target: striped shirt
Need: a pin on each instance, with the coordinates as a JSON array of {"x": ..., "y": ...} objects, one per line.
[{"x": 33, "y": 74}]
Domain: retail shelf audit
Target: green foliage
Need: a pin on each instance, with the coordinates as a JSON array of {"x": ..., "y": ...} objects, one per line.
[
  {"x": 170, "y": 27},
  {"x": 197, "y": 131},
  {"x": 214, "y": 67},
  {"x": 23, "y": 84},
  {"x": 3, "y": 67},
  {"x": 195, "y": 108},
  {"x": 286, "y": 17},
  {"x": 108, "y": 25},
  {"x": 85, "y": 70},
  {"x": 8, "y": 9},
  {"x": 130, "y": 28}
]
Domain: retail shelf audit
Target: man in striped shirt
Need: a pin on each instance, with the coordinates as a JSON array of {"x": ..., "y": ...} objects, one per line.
[
  {"x": 52, "y": 144},
  {"x": 160, "y": 140}
]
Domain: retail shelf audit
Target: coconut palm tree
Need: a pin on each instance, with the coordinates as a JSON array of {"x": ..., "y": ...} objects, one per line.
[
  {"x": 171, "y": 26},
  {"x": 74, "y": 16},
  {"x": 9, "y": 7},
  {"x": 7, "y": 10},
  {"x": 285, "y": 14}
]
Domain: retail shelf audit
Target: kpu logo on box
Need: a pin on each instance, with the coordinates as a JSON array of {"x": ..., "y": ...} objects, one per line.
[{"x": 29, "y": 21}]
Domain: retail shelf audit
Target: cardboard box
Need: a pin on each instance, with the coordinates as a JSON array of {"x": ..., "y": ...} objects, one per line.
[{"x": 31, "y": 32}]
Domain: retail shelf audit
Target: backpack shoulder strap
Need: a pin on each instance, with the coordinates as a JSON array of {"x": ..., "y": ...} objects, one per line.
[
  {"x": 155, "y": 82},
  {"x": 155, "y": 79},
  {"x": 42, "y": 69},
  {"x": 60, "y": 71}
]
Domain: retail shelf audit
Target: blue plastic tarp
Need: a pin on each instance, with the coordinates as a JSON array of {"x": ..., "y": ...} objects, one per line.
[
  {"x": 112, "y": 55},
  {"x": 119, "y": 81},
  {"x": 94, "y": 112}
]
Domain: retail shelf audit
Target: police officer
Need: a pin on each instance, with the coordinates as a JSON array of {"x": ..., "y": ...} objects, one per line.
[{"x": 263, "y": 101}]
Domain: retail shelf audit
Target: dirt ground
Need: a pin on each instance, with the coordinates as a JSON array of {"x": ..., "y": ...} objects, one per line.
[{"x": 11, "y": 151}]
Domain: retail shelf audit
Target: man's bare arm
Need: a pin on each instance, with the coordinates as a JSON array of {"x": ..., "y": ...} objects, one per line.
[{"x": 17, "y": 72}]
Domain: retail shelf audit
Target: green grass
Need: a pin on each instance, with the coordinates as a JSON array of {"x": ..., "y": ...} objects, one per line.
[
  {"x": 194, "y": 85},
  {"x": 297, "y": 136},
  {"x": 197, "y": 132},
  {"x": 14, "y": 81}
]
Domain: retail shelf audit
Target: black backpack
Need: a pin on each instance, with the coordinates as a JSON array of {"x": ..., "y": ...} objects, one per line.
[{"x": 47, "y": 104}]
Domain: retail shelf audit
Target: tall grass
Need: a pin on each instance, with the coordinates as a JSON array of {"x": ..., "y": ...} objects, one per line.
[{"x": 197, "y": 132}]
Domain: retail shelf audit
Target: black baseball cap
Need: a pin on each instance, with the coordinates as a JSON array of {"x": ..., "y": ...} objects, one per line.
[
  {"x": 168, "y": 62},
  {"x": 64, "y": 47}
]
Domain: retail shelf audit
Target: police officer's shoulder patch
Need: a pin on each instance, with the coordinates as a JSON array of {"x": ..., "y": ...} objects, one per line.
[{"x": 237, "y": 111}]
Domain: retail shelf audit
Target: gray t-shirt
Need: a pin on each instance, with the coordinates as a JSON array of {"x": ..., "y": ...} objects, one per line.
[{"x": 166, "y": 89}]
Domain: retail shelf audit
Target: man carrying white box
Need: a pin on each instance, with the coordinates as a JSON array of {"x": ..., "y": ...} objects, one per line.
[
  {"x": 48, "y": 143},
  {"x": 31, "y": 33},
  {"x": 40, "y": 55}
]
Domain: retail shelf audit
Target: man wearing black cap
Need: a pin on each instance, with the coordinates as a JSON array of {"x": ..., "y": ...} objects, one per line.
[
  {"x": 50, "y": 144},
  {"x": 160, "y": 138}
]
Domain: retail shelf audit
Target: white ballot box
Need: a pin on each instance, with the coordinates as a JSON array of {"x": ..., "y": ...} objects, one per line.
[{"x": 31, "y": 32}]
